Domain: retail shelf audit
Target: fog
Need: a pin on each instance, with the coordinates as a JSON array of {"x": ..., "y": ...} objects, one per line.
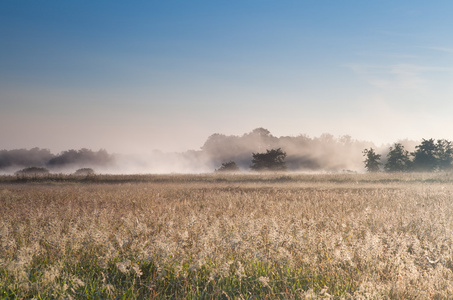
[
  {"x": 320, "y": 154},
  {"x": 325, "y": 153},
  {"x": 65, "y": 162},
  {"x": 12, "y": 160}
]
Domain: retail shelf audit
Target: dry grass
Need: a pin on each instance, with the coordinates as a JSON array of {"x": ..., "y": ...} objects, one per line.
[{"x": 229, "y": 236}]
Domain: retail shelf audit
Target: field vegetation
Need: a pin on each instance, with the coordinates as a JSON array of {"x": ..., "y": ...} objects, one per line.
[{"x": 227, "y": 236}]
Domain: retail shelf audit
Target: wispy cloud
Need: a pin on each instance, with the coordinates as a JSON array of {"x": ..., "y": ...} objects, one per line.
[
  {"x": 441, "y": 49},
  {"x": 387, "y": 55},
  {"x": 395, "y": 34},
  {"x": 396, "y": 76}
]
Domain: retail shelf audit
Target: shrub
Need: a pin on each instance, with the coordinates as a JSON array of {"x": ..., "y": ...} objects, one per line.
[
  {"x": 84, "y": 171},
  {"x": 230, "y": 166}
]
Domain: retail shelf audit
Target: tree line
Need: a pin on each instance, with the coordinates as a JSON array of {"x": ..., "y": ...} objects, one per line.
[
  {"x": 430, "y": 155},
  {"x": 41, "y": 158},
  {"x": 304, "y": 153}
]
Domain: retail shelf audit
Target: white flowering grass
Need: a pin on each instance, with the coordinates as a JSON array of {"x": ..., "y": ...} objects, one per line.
[{"x": 231, "y": 236}]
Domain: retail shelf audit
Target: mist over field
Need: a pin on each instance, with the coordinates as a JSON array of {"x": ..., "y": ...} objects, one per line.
[
  {"x": 325, "y": 153},
  {"x": 64, "y": 162}
]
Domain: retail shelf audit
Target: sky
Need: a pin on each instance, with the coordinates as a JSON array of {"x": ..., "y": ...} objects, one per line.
[{"x": 134, "y": 76}]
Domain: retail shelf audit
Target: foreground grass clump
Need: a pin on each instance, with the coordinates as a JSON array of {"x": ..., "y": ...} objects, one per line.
[{"x": 245, "y": 236}]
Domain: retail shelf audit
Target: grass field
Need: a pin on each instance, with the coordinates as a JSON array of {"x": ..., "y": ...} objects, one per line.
[{"x": 287, "y": 236}]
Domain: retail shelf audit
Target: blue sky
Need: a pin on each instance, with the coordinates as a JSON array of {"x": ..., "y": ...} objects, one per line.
[{"x": 143, "y": 75}]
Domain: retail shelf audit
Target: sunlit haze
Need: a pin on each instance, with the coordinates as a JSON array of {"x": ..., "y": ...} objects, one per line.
[{"x": 131, "y": 77}]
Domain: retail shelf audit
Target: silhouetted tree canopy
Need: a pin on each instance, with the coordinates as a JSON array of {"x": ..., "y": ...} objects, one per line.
[
  {"x": 24, "y": 157},
  {"x": 271, "y": 160},
  {"x": 82, "y": 156},
  {"x": 230, "y": 166},
  {"x": 444, "y": 154},
  {"x": 425, "y": 156},
  {"x": 372, "y": 160},
  {"x": 428, "y": 156},
  {"x": 33, "y": 171},
  {"x": 397, "y": 159}
]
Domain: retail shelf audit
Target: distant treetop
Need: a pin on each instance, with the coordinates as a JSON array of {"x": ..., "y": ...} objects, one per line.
[{"x": 33, "y": 171}]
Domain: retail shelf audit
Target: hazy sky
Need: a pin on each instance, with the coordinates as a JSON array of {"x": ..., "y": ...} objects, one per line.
[{"x": 132, "y": 76}]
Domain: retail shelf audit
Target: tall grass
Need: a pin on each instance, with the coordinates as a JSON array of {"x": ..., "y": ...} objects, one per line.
[{"x": 225, "y": 237}]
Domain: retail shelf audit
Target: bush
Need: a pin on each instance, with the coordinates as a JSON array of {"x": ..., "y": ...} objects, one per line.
[
  {"x": 84, "y": 172},
  {"x": 230, "y": 166}
]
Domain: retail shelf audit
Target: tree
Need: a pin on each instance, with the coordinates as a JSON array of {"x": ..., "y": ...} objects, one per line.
[
  {"x": 272, "y": 160},
  {"x": 230, "y": 166},
  {"x": 425, "y": 156},
  {"x": 372, "y": 160},
  {"x": 397, "y": 159},
  {"x": 24, "y": 158},
  {"x": 444, "y": 155},
  {"x": 82, "y": 156}
]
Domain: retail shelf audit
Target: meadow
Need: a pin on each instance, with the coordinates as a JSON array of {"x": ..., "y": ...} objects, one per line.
[{"x": 220, "y": 236}]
